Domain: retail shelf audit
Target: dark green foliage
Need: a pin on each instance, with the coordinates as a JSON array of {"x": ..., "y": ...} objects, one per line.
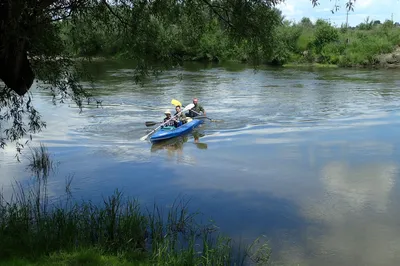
[
  {"x": 324, "y": 34},
  {"x": 306, "y": 23},
  {"x": 323, "y": 43},
  {"x": 165, "y": 33}
]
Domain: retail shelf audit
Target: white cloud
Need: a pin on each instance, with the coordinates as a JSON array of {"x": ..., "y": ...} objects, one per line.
[
  {"x": 287, "y": 9},
  {"x": 319, "y": 10},
  {"x": 364, "y": 3},
  {"x": 376, "y": 10},
  {"x": 291, "y": 8}
]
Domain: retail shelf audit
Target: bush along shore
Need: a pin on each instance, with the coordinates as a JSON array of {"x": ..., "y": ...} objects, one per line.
[
  {"x": 370, "y": 44},
  {"x": 320, "y": 44},
  {"x": 35, "y": 231}
]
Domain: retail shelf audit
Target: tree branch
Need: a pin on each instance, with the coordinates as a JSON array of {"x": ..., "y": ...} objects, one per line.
[
  {"x": 115, "y": 14},
  {"x": 217, "y": 13}
]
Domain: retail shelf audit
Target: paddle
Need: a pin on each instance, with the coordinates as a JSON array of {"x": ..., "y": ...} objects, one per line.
[
  {"x": 151, "y": 123},
  {"x": 190, "y": 106},
  {"x": 176, "y": 103},
  {"x": 202, "y": 116}
]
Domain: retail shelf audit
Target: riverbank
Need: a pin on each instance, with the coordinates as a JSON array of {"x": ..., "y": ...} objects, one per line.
[
  {"x": 389, "y": 60},
  {"x": 308, "y": 65},
  {"x": 382, "y": 61},
  {"x": 85, "y": 257},
  {"x": 118, "y": 231}
]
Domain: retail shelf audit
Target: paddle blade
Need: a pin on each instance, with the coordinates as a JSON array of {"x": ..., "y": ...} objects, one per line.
[
  {"x": 188, "y": 107},
  {"x": 176, "y": 102},
  {"x": 151, "y": 123}
]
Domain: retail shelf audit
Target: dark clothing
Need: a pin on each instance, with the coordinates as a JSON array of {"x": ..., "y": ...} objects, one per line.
[
  {"x": 197, "y": 108},
  {"x": 172, "y": 123}
]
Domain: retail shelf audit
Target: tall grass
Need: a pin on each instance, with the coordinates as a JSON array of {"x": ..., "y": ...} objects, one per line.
[{"x": 32, "y": 229}]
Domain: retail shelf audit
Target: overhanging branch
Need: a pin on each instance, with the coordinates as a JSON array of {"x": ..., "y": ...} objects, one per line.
[
  {"x": 115, "y": 14},
  {"x": 226, "y": 20}
]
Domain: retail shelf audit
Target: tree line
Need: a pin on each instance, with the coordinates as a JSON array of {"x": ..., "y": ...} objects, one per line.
[{"x": 210, "y": 40}]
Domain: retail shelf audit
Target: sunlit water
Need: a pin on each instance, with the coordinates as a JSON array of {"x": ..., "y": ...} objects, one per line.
[{"x": 308, "y": 158}]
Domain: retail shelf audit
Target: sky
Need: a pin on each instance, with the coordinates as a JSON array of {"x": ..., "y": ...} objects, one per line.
[{"x": 375, "y": 9}]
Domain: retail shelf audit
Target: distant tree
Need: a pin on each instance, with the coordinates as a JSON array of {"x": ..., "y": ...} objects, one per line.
[
  {"x": 388, "y": 24},
  {"x": 366, "y": 25},
  {"x": 306, "y": 22}
]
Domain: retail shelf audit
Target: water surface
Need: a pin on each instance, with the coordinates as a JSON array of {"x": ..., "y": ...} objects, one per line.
[{"x": 307, "y": 157}]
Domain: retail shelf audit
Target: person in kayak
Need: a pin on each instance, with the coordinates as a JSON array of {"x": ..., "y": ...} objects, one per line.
[
  {"x": 172, "y": 122},
  {"x": 181, "y": 117},
  {"x": 197, "y": 108}
]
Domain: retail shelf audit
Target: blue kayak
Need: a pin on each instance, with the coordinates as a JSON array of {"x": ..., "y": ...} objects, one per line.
[{"x": 172, "y": 132}]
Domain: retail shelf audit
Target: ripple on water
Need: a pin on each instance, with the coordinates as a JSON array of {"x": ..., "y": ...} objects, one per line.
[{"x": 324, "y": 142}]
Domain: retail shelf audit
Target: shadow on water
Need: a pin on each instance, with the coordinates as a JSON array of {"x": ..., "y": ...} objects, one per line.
[{"x": 227, "y": 66}]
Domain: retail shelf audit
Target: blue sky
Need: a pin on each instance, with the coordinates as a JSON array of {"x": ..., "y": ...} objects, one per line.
[{"x": 375, "y": 9}]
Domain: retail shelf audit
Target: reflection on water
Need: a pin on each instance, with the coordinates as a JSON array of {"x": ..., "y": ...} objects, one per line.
[
  {"x": 357, "y": 213},
  {"x": 174, "y": 147},
  {"x": 176, "y": 144},
  {"x": 362, "y": 186},
  {"x": 308, "y": 158}
]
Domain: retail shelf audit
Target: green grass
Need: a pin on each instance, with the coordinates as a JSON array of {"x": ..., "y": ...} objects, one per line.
[
  {"x": 89, "y": 257},
  {"x": 119, "y": 231},
  {"x": 117, "y": 227}
]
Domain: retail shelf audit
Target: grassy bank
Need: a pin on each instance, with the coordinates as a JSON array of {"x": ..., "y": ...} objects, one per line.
[
  {"x": 364, "y": 45},
  {"x": 89, "y": 257},
  {"x": 37, "y": 231}
]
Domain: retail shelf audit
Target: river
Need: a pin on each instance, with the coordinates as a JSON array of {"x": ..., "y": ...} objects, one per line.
[{"x": 309, "y": 158}]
